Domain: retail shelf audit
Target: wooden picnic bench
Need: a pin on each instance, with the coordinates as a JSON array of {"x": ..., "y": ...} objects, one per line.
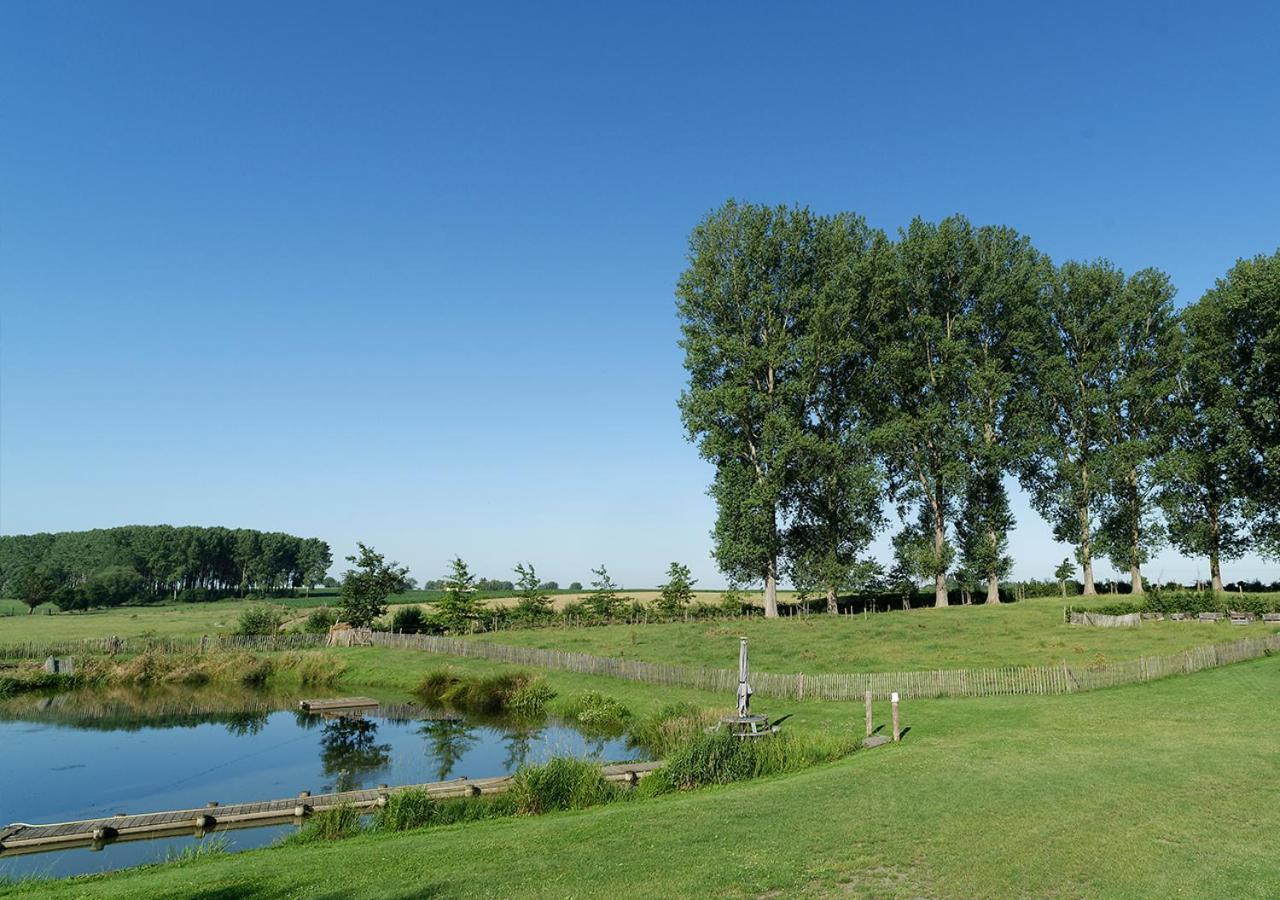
[
  {"x": 1241, "y": 618},
  {"x": 1210, "y": 617},
  {"x": 1271, "y": 618}
]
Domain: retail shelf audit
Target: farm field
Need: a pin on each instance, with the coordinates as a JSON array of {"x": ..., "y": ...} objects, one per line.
[{"x": 1152, "y": 790}]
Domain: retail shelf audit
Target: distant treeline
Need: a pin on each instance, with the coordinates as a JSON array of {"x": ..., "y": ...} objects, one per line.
[{"x": 149, "y": 563}]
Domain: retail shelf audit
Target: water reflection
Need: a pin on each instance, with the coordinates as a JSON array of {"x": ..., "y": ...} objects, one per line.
[
  {"x": 349, "y": 750},
  {"x": 448, "y": 741}
]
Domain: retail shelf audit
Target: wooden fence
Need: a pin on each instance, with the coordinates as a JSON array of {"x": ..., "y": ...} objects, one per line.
[
  {"x": 1099, "y": 620},
  {"x": 1056, "y": 678}
]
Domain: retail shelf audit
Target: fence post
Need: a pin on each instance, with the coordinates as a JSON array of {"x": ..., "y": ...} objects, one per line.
[
  {"x": 867, "y": 697},
  {"x": 897, "y": 730}
]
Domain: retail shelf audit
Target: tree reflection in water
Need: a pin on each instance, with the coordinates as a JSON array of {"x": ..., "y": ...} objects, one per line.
[
  {"x": 347, "y": 749},
  {"x": 241, "y": 724},
  {"x": 447, "y": 741},
  {"x": 519, "y": 743}
]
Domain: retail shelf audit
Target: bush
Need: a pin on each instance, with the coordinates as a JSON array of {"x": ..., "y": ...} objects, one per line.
[
  {"x": 409, "y": 620},
  {"x": 328, "y": 825},
  {"x": 530, "y": 698},
  {"x": 260, "y": 619},
  {"x": 718, "y": 757},
  {"x": 596, "y": 711},
  {"x": 405, "y": 810},
  {"x": 519, "y": 692},
  {"x": 562, "y": 783},
  {"x": 676, "y": 723},
  {"x": 321, "y": 619}
]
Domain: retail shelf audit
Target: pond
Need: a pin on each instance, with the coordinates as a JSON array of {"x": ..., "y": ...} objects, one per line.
[{"x": 86, "y": 754}]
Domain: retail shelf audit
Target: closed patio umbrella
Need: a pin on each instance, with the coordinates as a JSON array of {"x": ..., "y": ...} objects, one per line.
[{"x": 744, "y": 688}]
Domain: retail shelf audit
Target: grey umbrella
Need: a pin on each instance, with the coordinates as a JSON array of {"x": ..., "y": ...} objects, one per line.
[{"x": 744, "y": 688}]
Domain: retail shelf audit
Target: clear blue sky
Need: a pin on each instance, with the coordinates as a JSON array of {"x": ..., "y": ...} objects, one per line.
[{"x": 403, "y": 273}]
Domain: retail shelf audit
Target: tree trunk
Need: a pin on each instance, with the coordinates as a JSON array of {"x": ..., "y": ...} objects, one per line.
[
  {"x": 771, "y": 590},
  {"x": 1135, "y": 579},
  {"x": 993, "y": 588},
  {"x": 939, "y": 540},
  {"x": 1089, "y": 589},
  {"x": 832, "y": 606},
  {"x": 1215, "y": 566}
]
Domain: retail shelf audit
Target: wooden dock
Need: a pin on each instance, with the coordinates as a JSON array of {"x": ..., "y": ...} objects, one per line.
[
  {"x": 21, "y": 838},
  {"x": 337, "y": 704}
]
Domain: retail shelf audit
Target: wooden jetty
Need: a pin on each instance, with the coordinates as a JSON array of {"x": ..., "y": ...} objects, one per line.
[
  {"x": 337, "y": 704},
  {"x": 21, "y": 838}
]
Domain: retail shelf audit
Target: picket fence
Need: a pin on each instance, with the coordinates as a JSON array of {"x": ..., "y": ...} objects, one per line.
[{"x": 1009, "y": 680}]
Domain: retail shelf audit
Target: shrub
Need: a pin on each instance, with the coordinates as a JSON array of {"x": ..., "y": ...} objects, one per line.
[
  {"x": 673, "y": 725},
  {"x": 260, "y": 619},
  {"x": 409, "y": 620},
  {"x": 329, "y": 825},
  {"x": 562, "y": 783},
  {"x": 530, "y": 698},
  {"x": 321, "y": 619},
  {"x": 718, "y": 757},
  {"x": 594, "y": 710},
  {"x": 405, "y": 810},
  {"x": 519, "y": 692}
]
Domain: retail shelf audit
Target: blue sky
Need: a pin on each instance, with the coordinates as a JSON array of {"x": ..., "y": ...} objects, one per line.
[{"x": 403, "y": 273}]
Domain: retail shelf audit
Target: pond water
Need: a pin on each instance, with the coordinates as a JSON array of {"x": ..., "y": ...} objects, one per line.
[{"x": 88, "y": 754}]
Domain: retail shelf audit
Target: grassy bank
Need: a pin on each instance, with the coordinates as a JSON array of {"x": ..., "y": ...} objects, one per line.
[
  {"x": 1154, "y": 790},
  {"x": 1027, "y": 633},
  {"x": 248, "y": 670}
]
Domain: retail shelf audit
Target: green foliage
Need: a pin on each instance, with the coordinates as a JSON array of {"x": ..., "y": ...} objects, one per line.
[
  {"x": 561, "y": 783},
  {"x": 718, "y": 757},
  {"x": 409, "y": 620},
  {"x": 534, "y": 604},
  {"x": 319, "y": 621},
  {"x": 260, "y": 619},
  {"x": 597, "y": 712},
  {"x": 575, "y": 585},
  {"x": 517, "y": 692},
  {"x": 365, "y": 589},
  {"x": 677, "y": 592},
  {"x": 458, "y": 609},
  {"x": 604, "y": 601},
  {"x": 328, "y": 825},
  {"x": 189, "y": 562},
  {"x": 405, "y": 811},
  {"x": 750, "y": 269}
]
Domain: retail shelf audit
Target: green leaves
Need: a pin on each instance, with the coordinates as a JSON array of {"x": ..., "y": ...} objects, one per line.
[{"x": 365, "y": 588}]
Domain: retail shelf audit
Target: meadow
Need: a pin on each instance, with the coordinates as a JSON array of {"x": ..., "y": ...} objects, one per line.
[{"x": 1150, "y": 790}]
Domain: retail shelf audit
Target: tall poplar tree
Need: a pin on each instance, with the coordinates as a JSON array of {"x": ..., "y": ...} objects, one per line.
[
  {"x": 834, "y": 501},
  {"x": 1071, "y": 360},
  {"x": 741, "y": 303},
  {"x": 921, "y": 376},
  {"x": 1249, "y": 297},
  {"x": 1137, "y": 401},
  {"x": 1202, "y": 478},
  {"x": 1007, "y": 278}
]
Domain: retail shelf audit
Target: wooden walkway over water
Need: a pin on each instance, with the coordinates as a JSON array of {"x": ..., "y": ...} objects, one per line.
[{"x": 21, "y": 838}]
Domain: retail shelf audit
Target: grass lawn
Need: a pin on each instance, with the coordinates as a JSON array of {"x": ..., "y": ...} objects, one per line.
[{"x": 1154, "y": 790}]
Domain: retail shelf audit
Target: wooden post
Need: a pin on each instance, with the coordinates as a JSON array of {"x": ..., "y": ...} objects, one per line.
[
  {"x": 897, "y": 730},
  {"x": 868, "y": 701}
]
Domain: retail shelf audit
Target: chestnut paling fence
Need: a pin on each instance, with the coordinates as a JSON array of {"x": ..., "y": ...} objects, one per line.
[{"x": 1057, "y": 678}]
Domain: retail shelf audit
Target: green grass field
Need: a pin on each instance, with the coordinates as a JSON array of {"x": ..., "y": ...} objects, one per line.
[
  {"x": 1026, "y": 633},
  {"x": 1156, "y": 790},
  {"x": 1031, "y": 632}
]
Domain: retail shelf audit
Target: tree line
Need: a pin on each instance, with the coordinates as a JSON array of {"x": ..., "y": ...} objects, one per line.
[
  {"x": 148, "y": 563},
  {"x": 832, "y": 367}
]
